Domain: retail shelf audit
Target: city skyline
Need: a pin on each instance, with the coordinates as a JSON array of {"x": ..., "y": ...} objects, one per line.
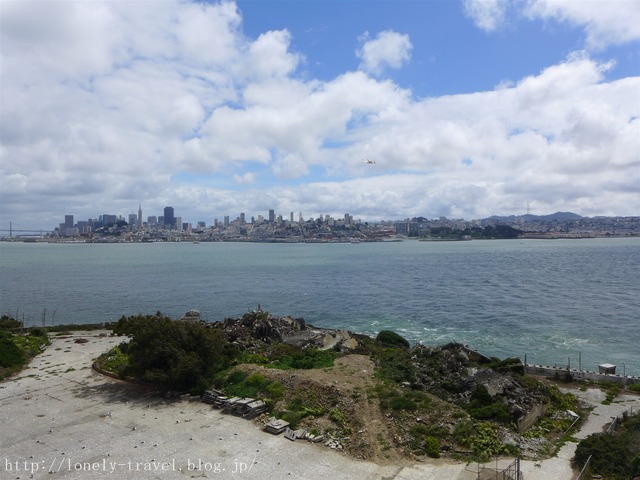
[
  {"x": 138, "y": 220},
  {"x": 383, "y": 109},
  {"x": 169, "y": 221}
]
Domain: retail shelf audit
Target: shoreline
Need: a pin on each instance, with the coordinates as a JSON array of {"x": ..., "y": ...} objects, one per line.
[{"x": 59, "y": 414}]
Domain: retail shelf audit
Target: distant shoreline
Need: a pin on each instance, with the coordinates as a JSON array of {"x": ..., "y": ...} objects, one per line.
[{"x": 101, "y": 241}]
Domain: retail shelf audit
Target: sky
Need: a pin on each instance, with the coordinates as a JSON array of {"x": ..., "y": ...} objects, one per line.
[{"x": 466, "y": 108}]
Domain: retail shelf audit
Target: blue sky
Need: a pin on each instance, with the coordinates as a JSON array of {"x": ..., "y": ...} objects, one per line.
[
  {"x": 469, "y": 108},
  {"x": 450, "y": 54}
]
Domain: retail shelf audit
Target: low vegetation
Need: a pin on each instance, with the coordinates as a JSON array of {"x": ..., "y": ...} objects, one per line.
[
  {"x": 423, "y": 399},
  {"x": 613, "y": 456},
  {"x": 18, "y": 346}
]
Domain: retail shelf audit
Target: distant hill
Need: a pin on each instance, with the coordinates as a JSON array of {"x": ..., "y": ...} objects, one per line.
[{"x": 554, "y": 217}]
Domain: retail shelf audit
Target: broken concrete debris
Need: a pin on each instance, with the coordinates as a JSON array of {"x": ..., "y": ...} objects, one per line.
[
  {"x": 243, "y": 407},
  {"x": 276, "y": 426}
]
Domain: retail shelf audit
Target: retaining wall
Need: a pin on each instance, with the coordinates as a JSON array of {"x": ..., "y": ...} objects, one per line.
[{"x": 581, "y": 374}]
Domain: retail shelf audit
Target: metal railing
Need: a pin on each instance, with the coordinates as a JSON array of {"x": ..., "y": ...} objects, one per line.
[
  {"x": 584, "y": 469},
  {"x": 511, "y": 472}
]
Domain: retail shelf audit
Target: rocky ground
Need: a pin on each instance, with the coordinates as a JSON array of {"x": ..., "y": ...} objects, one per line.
[
  {"x": 60, "y": 416},
  {"x": 444, "y": 378}
]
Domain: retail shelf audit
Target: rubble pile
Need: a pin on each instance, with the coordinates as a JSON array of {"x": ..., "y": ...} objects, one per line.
[
  {"x": 257, "y": 328},
  {"x": 454, "y": 371}
]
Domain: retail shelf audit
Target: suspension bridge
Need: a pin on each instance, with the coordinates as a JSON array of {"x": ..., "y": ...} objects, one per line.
[{"x": 22, "y": 232}]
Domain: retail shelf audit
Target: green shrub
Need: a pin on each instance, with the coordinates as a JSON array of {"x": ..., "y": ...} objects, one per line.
[
  {"x": 176, "y": 355},
  {"x": 275, "y": 390},
  {"x": 30, "y": 345},
  {"x": 9, "y": 323},
  {"x": 403, "y": 403},
  {"x": 114, "y": 361},
  {"x": 483, "y": 406},
  {"x": 253, "y": 358},
  {"x": 37, "y": 332},
  {"x": 292, "y": 417},
  {"x": 431, "y": 430},
  {"x": 612, "y": 390},
  {"x": 463, "y": 432},
  {"x": 304, "y": 359},
  {"x": 236, "y": 376},
  {"x": 337, "y": 417},
  {"x": 10, "y": 354},
  {"x": 485, "y": 441},
  {"x": 257, "y": 380},
  {"x": 432, "y": 447},
  {"x": 395, "y": 364},
  {"x": 609, "y": 455},
  {"x": 634, "y": 387},
  {"x": 391, "y": 339},
  {"x": 615, "y": 457},
  {"x": 241, "y": 384},
  {"x": 510, "y": 365}
]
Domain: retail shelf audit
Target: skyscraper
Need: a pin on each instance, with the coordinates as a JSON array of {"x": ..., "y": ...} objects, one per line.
[
  {"x": 169, "y": 219},
  {"x": 139, "y": 215}
]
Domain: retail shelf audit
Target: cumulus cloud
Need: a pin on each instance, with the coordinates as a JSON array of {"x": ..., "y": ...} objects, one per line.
[
  {"x": 128, "y": 102},
  {"x": 488, "y": 15},
  {"x": 388, "y": 49},
  {"x": 605, "y": 22}
]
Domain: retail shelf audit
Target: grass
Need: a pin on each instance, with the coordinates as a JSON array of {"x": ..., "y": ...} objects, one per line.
[
  {"x": 305, "y": 360},
  {"x": 17, "y": 350},
  {"x": 114, "y": 361}
]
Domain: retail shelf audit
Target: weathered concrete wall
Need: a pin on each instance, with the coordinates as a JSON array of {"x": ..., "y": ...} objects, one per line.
[
  {"x": 532, "y": 417},
  {"x": 581, "y": 374}
]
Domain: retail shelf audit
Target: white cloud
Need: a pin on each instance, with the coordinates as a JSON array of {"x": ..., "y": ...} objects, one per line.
[
  {"x": 605, "y": 22},
  {"x": 137, "y": 114},
  {"x": 388, "y": 49},
  {"x": 245, "y": 178},
  {"x": 488, "y": 15},
  {"x": 208, "y": 35},
  {"x": 269, "y": 55}
]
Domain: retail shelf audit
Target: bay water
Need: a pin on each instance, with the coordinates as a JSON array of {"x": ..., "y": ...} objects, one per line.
[{"x": 557, "y": 301}]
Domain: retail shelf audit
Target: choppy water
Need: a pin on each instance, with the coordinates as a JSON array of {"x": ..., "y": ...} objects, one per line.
[{"x": 549, "y": 299}]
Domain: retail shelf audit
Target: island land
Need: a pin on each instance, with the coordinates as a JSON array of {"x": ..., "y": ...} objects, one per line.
[{"x": 61, "y": 417}]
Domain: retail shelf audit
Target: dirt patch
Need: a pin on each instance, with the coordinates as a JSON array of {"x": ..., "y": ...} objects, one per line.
[{"x": 346, "y": 388}]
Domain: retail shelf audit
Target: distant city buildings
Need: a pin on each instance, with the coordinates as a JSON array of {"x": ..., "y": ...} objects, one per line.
[
  {"x": 276, "y": 228},
  {"x": 169, "y": 220}
]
